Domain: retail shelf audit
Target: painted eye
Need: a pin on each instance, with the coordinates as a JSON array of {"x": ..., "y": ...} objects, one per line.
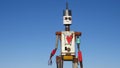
[
  {"x": 69, "y": 18},
  {"x": 65, "y": 18}
]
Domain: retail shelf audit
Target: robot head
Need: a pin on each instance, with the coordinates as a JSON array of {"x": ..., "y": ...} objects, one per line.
[{"x": 67, "y": 16}]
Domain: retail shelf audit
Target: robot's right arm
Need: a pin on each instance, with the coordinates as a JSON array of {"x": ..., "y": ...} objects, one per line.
[{"x": 53, "y": 51}]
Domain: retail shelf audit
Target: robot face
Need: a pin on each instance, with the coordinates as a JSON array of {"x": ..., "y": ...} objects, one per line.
[{"x": 67, "y": 20}]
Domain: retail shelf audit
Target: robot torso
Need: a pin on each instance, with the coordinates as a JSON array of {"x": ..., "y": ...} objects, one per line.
[{"x": 67, "y": 42}]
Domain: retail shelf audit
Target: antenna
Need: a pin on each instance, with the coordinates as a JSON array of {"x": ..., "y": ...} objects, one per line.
[{"x": 66, "y": 5}]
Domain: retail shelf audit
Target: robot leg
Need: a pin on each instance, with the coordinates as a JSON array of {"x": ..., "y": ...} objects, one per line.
[
  {"x": 75, "y": 63},
  {"x": 59, "y": 62}
]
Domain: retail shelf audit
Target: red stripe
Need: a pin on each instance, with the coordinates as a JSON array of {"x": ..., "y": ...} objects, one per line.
[
  {"x": 53, "y": 51},
  {"x": 79, "y": 56}
]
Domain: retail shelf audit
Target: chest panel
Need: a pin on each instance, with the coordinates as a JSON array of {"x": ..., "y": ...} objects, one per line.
[{"x": 68, "y": 42}]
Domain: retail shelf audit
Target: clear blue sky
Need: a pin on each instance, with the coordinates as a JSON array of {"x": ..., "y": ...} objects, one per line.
[{"x": 27, "y": 32}]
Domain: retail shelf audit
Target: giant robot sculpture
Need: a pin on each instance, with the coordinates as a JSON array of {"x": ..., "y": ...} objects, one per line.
[{"x": 68, "y": 41}]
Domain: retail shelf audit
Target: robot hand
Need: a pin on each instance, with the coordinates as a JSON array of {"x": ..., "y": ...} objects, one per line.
[{"x": 50, "y": 62}]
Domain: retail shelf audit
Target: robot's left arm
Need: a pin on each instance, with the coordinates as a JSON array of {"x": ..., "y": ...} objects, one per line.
[
  {"x": 79, "y": 51},
  {"x": 78, "y": 41}
]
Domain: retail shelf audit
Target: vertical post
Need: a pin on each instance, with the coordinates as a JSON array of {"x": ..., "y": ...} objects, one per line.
[
  {"x": 75, "y": 65},
  {"x": 59, "y": 62}
]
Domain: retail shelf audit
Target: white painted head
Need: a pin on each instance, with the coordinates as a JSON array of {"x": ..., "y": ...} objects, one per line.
[{"x": 67, "y": 16}]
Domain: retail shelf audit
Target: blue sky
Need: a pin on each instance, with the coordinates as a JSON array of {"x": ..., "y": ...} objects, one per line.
[{"x": 27, "y": 32}]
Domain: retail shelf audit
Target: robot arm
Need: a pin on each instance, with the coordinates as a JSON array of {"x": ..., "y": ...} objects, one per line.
[
  {"x": 53, "y": 51},
  {"x": 79, "y": 52},
  {"x": 78, "y": 42}
]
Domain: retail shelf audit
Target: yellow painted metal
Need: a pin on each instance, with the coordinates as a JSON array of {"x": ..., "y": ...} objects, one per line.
[{"x": 68, "y": 58}]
